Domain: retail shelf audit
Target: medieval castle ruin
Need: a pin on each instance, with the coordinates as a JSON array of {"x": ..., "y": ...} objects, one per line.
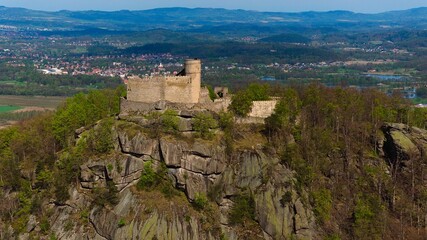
[
  {"x": 182, "y": 88},
  {"x": 182, "y": 92}
]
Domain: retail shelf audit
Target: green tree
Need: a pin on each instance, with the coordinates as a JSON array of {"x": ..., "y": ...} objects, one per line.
[
  {"x": 285, "y": 113},
  {"x": 322, "y": 201},
  {"x": 170, "y": 121},
  {"x": 421, "y": 92},
  {"x": 243, "y": 209},
  {"x": 241, "y": 104},
  {"x": 203, "y": 123},
  {"x": 84, "y": 110},
  {"x": 149, "y": 178},
  {"x": 100, "y": 138},
  {"x": 258, "y": 92},
  {"x": 242, "y": 101},
  {"x": 368, "y": 217}
]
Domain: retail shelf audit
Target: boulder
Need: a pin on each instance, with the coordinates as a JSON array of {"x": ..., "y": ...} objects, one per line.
[
  {"x": 185, "y": 125},
  {"x": 138, "y": 144},
  {"x": 172, "y": 152},
  {"x": 32, "y": 223},
  {"x": 403, "y": 143}
]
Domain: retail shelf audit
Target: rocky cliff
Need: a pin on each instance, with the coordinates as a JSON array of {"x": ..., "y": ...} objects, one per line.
[
  {"x": 203, "y": 187},
  {"x": 194, "y": 169}
]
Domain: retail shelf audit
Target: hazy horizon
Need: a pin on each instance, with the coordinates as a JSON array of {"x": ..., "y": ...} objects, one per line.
[{"x": 362, "y": 6}]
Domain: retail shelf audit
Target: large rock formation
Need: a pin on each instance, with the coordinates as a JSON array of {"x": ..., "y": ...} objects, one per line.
[
  {"x": 402, "y": 143},
  {"x": 197, "y": 168}
]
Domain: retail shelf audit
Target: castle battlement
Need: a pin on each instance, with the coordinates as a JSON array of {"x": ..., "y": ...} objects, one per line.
[{"x": 183, "y": 88}]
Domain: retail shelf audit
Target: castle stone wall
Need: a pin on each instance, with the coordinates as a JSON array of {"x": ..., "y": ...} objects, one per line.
[
  {"x": 262, "y": 109},
  {"x": 146, "y": 89},
  {"x": 176, "y": 89}
]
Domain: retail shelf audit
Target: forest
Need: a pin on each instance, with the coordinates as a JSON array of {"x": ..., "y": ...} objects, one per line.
[{"x": 329, "y": 136}]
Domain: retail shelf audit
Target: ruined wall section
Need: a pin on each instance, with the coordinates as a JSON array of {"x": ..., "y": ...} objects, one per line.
[
  {"x": 178, "y": 89},
  {"x": 146, "y": 89},
  {"x": 262, "y": 109}
]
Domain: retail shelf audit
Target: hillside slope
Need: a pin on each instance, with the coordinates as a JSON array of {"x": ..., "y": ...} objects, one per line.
[
  {"x": 328, "y": 164},
  {"x": 186, "y": 18}
]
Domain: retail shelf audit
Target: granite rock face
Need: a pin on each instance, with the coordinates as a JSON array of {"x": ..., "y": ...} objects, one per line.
[
  {"x": 197, "y": 168},
  {"x": 401, "y": 143}
]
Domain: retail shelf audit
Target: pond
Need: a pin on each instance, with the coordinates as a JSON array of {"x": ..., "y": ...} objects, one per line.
[
  {"x": 387, "y": 77},
  {"x": 268, "y": 78}
]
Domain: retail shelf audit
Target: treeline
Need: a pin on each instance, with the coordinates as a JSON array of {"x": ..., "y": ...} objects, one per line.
[
  {"x": 241, "y": 52},
  {"x": 331, "y": 138}
]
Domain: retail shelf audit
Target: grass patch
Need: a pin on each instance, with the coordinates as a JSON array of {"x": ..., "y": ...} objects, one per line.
[
  {"x": 8, "y": 108},
  {"x": 419, "y": 101}
]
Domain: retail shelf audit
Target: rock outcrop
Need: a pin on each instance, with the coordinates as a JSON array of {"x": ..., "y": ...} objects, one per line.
[
  {"x": 198, "y": 168},
  {"x": 402, "y": 143}
]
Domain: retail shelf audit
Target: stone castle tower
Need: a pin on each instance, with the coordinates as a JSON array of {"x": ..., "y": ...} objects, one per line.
[
  {"x": 193, "y": 69},
  {"x": 185, "y": 87}
]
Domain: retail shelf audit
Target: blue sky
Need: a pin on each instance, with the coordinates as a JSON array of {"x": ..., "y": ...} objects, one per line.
[{"x": 367, "y": 6}]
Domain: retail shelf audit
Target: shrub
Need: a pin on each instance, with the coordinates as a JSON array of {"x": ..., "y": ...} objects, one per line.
[
  {"x": 170, "y": 121},
  {"x": 332, "y": 237},
  {"x": 149, "y": 178},
  {"x": 286, "y": 198},
  {"x": 243, "y": 209},
  {"x": 61, "y": 191},
  {"x": 44, "y": 225},
  {"x": 203, "y": 123},
  {"x": 200, "y": 201},
  {"x": 44, "y": 179},
  {"x": 322, "y": 201},
  {"x": 168, "y": 190},
  {"x": 110, "y": 167},
  {"x": 121, "y": 223},
  {"x": 226, "y": 123},
  {"x": 84, "y": 215},
  {"x": 226, "y": 120},
  {"x": 106, "y": 196},
  {"x": 212, "y": 94},
  {"x": 69, "y": 225}
]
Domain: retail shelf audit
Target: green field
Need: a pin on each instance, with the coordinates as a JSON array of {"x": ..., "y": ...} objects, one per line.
[
  {"x": 31, "y": 106},
  {"x": 8, "y": 108},
  {"x": 30, "y": 101}
]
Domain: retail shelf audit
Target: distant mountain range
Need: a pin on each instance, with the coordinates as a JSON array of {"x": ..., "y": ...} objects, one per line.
[{"x": 203, "y": 19}]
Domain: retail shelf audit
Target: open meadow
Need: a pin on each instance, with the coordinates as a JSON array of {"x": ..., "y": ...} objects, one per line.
[
  {"x": 30, "y": 101},
  {"x": 15, "y": 108}
]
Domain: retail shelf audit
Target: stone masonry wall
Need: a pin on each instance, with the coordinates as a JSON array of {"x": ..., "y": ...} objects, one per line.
[
  {"x": 176, "y": 89},
  {"x": 146, "y": 89},
  {"x": 262, "y": 109}
]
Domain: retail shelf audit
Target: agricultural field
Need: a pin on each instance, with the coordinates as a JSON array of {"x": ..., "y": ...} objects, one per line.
[
  {"x": 8, "y": 108},
  {"x": 17, "y": 108},
  {"x": 30, "y": 101}
]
